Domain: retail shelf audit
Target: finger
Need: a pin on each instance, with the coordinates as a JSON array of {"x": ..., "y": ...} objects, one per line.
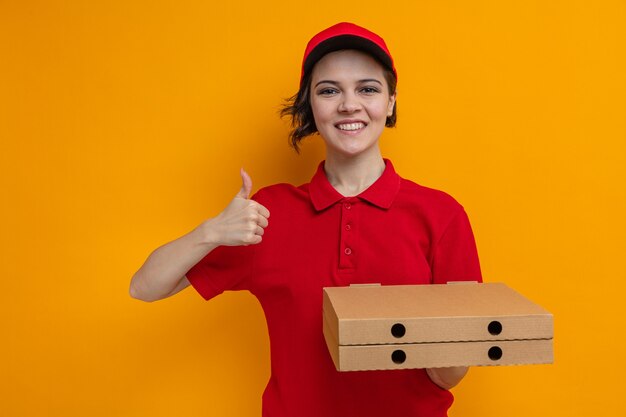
[
  {"x": 262, "y": 221},
  {"x": 259, "y": 231},
  {"x": 263, "y": 211},
  {"x": 246, "y": 185}
]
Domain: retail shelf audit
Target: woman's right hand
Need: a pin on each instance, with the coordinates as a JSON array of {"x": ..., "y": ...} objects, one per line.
[
  {"x": 241, "y": 223},
  {"x": 163, "y": 274}
]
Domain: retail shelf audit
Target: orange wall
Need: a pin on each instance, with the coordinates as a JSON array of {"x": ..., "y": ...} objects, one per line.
[{"x": 124, "y": 124}]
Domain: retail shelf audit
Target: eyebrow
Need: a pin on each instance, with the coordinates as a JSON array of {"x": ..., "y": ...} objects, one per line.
[{"x": 365, "y": 80}]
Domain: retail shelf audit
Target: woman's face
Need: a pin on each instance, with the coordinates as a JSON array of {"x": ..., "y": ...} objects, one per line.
[{"x": 350, "y": 101}]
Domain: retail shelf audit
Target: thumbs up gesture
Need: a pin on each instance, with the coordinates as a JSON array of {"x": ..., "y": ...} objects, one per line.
[{"x": 243, "y": 221}]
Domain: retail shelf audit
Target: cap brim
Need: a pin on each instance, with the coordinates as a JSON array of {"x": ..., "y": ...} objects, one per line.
[{"x": 341, "y": 42}]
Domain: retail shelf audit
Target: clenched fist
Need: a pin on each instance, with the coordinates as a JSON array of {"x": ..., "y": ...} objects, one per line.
[{"x": 242, "y": 222}]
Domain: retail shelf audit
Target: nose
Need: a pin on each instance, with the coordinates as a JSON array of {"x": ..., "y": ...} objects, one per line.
[{"x": 349, "y": 103}]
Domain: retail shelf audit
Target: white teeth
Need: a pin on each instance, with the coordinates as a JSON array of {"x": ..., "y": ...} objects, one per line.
[{"x": 351, "y": 126}]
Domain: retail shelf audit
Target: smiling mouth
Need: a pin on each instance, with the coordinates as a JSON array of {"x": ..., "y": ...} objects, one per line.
[{"x": 351, "y": 126}]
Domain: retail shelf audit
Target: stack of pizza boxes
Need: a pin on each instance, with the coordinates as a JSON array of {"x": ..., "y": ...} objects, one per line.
[{"x": 427, "y": 326}]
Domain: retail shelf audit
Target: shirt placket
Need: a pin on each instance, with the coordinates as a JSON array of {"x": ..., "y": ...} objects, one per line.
[{"x": 349, "y": 209}]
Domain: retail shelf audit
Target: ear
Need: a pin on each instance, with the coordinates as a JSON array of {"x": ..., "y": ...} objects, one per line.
[{"x": 392, "y": 102}]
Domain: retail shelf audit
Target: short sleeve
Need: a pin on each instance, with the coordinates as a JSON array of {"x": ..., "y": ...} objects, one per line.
[
  {"x": 225, "y": 268},
  {"x": 455, "y": 257}
]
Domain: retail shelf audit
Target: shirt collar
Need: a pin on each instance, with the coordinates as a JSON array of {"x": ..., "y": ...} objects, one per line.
[{"x": 381, "y": 193}]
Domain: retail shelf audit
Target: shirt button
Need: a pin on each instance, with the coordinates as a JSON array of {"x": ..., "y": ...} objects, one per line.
[
  {"x": 348, "y": 227},
  {"x": 348, "y": 251},
  {"x": 348, "y": 206}
]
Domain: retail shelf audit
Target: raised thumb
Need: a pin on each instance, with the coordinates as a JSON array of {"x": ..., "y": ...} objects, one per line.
[{"x": 246, "y": 185}]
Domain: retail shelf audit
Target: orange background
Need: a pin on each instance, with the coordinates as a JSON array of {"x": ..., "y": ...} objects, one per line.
[{"x": 124, "y": 124}]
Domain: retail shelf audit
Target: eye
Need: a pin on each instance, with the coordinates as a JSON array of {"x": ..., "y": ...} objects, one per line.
[
  {"x": 327, "y": 91},
  {"x": 369, "y": 90}
]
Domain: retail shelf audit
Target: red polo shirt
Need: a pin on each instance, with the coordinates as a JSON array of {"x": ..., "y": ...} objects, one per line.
[{"x": 395, "y": 232}]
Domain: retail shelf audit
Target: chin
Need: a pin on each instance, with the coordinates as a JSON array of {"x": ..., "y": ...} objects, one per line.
[{"x": 353, "y": 151}]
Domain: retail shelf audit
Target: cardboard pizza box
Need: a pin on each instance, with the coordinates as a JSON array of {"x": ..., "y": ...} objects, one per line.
[{"x": 424, "y": 326}]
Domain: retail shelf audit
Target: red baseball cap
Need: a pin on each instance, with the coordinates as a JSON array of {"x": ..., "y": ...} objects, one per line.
[{"x": 345, "y": 36}]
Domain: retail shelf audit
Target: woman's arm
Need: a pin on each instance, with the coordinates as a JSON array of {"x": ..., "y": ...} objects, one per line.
[
  {"x": 447, "y": 378},
  {"x": 456, "y": 258},
  {"x": 163, "y": 274}
]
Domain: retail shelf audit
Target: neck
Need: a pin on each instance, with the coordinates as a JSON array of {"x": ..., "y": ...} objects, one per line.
[{"x": 352, "y": 176}]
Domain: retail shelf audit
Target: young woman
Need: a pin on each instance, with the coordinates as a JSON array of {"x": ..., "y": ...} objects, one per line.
[{"x": 357, "y": 221}]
